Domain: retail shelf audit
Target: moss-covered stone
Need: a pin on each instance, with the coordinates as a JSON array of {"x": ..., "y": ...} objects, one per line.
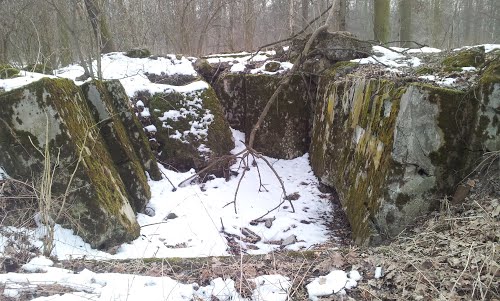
[
  {"x": 203, "y": 67},
  {"x": 138, "y": 53},
  {"x": 112, "y": 129},
  {"x": 472, "y": 57},
  {"x": 133, "y": 128},
  {"x": 272, "y": 66},
  {"x": 491, "y": 74},
  {"x": 7, "y": 71},
  {"x": 285, "y": 131},
  {"x": 191, "y": 128},
  {"x": 487, "y": 94},
  {"x": 96, "y": 206},
  {"x": 387, "y": 148},
  {"x": 38, "y": 68}
]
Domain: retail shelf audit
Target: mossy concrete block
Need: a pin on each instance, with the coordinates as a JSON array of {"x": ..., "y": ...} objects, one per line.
[
  {"x": 390, "y": 151},
  {"x": 272, "y": 66},
  {"x": 284, "y": 133},
  {"x": 97, "y": 207},
  {"x": 472, "y": 57},
  {"x": 191, "y": 128},
  {"x": 112, "y": 129},
  {"x": 138, "y": 53},
  {"x": 7, "y": 71},
  {"x": 133, "y": 128},
  {"x": 487, "y": 135}
]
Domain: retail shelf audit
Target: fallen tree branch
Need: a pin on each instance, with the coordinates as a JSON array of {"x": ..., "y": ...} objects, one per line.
[{"x": 249, "y": 149}]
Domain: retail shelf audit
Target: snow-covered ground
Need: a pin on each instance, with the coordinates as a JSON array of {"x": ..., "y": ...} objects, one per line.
[{"x": 87, "y": 285}]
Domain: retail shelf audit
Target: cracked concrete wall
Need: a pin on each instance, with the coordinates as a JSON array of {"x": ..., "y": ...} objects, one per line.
[{"x": 391, "y": 150}]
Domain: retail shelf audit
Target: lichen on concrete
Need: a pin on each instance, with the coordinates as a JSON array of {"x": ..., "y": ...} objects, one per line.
[
  {"x": 472, "y": 57},
  {"x": 97, "y": 199},
  {"x": 133, "y": 128},
  {"x": 112, "y": 129},
  {"x": 285, "y": 130},
  {"x": 387, "y": 148}
]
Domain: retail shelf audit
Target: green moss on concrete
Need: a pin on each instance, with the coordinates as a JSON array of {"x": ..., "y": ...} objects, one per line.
[
  {"x": 220, "y": 138},
  {"x": 7, "y": 71},
  {"x": 491, "y": 74},
  {"x": 138, "y": 53},
  {"x": 133, "y": 128},
  {"x": 285, "y": 131},
  {"x": 473, "y": 57},
  {"x": 455, "y": 121},
  {"x": 364, "y": 164},
  {"x": 184, "y": 153},
  {"x": 97, "y": 199},
  {"x": 272, "y": 66},
  {"x": 112, "y": 129}
]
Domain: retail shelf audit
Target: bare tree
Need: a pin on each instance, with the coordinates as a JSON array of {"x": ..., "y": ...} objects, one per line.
[
  {"x": 381, "y": 18},
  {"x": 405, "y": 22}
]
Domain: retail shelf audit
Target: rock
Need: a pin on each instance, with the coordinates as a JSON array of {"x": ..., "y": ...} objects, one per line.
[
  {"x": 173, "y": 80},
  {"x": 97, "y": 200},
  {"x": 133, "y": 128},
  {"x": 191, "y": 128},
  {"x": 203, "y": 67},
  {"x": 487, "y": 127},
  {"x": 472, "y": 57},
  {"x": 138, "y": 53},
  {"x": 290, "y": 240},
  {"x": 272, "y": 66},
  {"x": 112, "y": 129},
  {"x": 390, "y": 150},
  {"x": 149, "y": 211},
  {"x": 269, "y": 222},
  {"x": 7, "y": 71},
  {"x": 329, "y": 48},
  {"x": 284, "y": 133},
  {"x": 171, "y": 216}
]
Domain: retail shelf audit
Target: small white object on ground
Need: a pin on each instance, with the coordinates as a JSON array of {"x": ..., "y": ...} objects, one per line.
[
  {"x": 335, "y": 282},
  {"x": 378, "y": 272}
]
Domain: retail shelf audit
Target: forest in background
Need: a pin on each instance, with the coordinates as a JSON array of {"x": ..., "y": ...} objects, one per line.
[{"x": 59, "y": 32}]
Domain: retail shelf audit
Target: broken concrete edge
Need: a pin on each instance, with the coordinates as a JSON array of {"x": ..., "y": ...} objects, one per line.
[{"x": 99, "y": 206}]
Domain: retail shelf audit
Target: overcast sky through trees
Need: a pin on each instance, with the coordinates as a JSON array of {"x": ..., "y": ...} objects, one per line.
[{"x": 58, "y": 32}]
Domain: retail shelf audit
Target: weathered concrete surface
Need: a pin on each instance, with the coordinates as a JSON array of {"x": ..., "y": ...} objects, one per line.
[
  {"x": 390, "y": 150},
  {"x": 284, "y": 133},
  {"x": 112, "y": 129},
  {"x": 97, "y": 202},
  {"x": 133, "y": 128},
  {"x": 191, "y": 128},
  {"x": 487, "y": 136}
]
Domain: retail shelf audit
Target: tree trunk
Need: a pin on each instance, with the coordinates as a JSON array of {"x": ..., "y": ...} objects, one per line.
[
  {"x": 405, "y": 23},
  {"x": 100, "y": 27},
  {"x": 339, "y": 17},
  {"x": 305, "y": 12},
  {"x": 291, "y": 19},
  {"x": 468, "y": 22},
  {"x": 249, "y": 24},
  {"x": 381, "y": 19},
  {"x": 436, "y": 24}
]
